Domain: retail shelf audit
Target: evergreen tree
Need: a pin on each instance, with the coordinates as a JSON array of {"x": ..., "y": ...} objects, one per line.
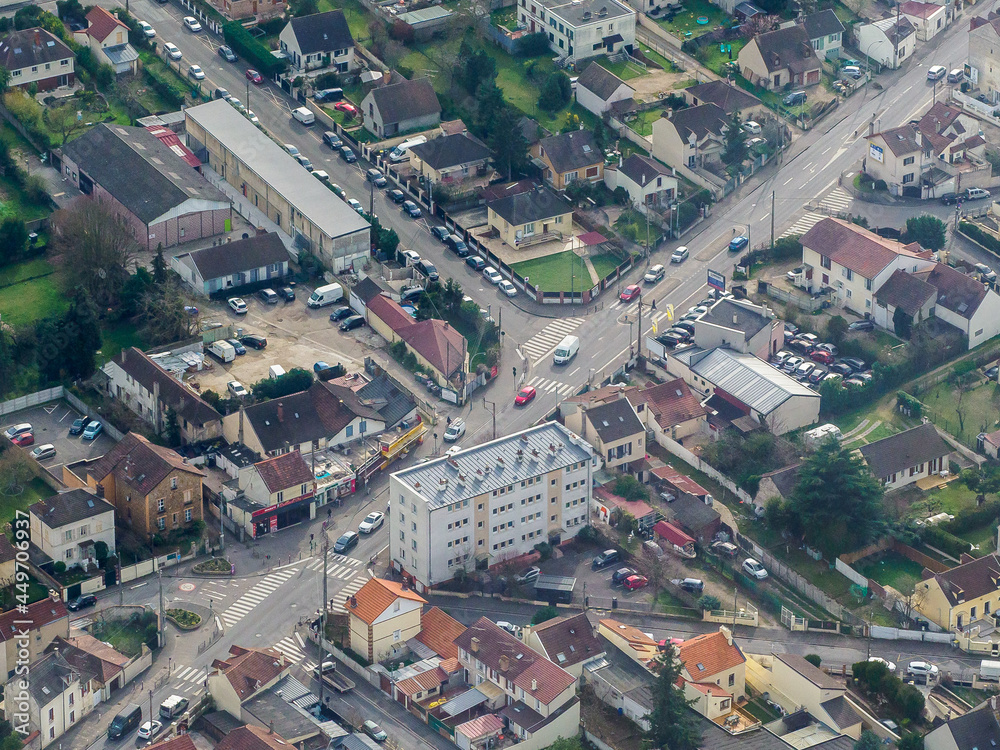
[
  {"x": 82, "y": 328},
  {"x": 172, "y": 429},
  {"x": 159, "y": 266},
  {"x": 674, "y": 725},
  {"x": 927, "y": 230},
  {"x": 556, "y": 93},
  {"x": 510, "y": 149},
  {"x": 735, "y": 150}
]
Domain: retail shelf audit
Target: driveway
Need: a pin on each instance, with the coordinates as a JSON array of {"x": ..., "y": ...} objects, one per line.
[{"x": 51, "y": 423}]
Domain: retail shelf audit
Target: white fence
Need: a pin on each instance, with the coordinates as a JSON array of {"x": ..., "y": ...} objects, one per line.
[
  {"x": 895, "y": 634},
  {"x": 849, "y": 572},
  {"x": 685, "y": 455},
  {"x": 974, "y": 106}
]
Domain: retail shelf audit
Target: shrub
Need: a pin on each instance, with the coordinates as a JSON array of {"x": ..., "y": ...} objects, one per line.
[
  {"x": 532, "y": 45},
  {"x": 814, "y": 659},
  {"x": 708, "y": 602},
  {"x": 59, "y": 567},
  {"x": 253, "y": 51},
  {"x": 630, "y": 488},
  {"x": 945, "y": 541},
  {"x": 986, "y": 240},
  {"x": 973, "y": 518},
  {"x": 545, "y": 613}
]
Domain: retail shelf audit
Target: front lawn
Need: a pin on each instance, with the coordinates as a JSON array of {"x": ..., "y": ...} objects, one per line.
[
  {"x": 355, "y": 14},
  {"x": 686, "y": 26},
  {"x": 605, "y": 264},
  {"x": 30, "y": 493},
  {"x": 559, "y": 272},
  {"x": 715, "y": 58},
  {"x": 963, "y": 415},
  {"x": 891, "y": 570},
  {"x": 625, "y": 69},
  {"x": 643, "y": 122},
  {"x": 31, "y": 294}
]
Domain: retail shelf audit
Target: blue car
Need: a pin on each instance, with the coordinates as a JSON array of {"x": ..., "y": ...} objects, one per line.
[
  {"x": 93, "y": 430},
  {"x": 240, "y": 349},
  {"x": 738, "y": 243}
]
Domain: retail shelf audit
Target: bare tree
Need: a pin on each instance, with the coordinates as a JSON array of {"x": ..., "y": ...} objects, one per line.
[
  {"x": 96, "y": 248},
  {"x": 163, "y": 315},
  {"x": 64, "y": 119},
  {"x": 757, "y": 25}
]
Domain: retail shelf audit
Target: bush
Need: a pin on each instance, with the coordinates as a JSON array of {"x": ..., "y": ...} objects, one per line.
[
  {"x": 532, "y": 45},
  {"x": 544, "y": 549},
  {"x": 545, "y": 613},
  {"x": 253, "y": 51},
  {"x": 814, "y": 659},
  {"x": 973, "y": 518},
  {"x": 945, "y": 541},
  {"x": 708, "y": 602},
  {"x": 986, "y": 240},
  {"x": 630, "y": 488},
  {"x": 165, "y": 86},
  {"x": 327, "y": 81},
  {"x": 59, "y": 567}
]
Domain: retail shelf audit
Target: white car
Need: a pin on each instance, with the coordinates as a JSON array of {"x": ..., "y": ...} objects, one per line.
[
  {"x": 149, "y": 729},
  {"x": 237, "y": 103},
  {"x": 936, "y": 72},
  {"x": 510, "y": 628},
  {"x": 754, "y": 569},
  {"x": 18, "y": 429},
  {"x": 654, "y": 274},
  {"x": 252, "y": 117},
  {"x": 922, "y": 668},
  {"x": 453, "y": 451},
  {"x": 373, "y": 521},
  {"x": 753, "y": 128},
  {"x": 412, "y": 256},
  {"x": 321, "y": 175},
  {"x": 455, "y": 430},
  {"x": 148, "y": 31},
  {"x": 507, "y": 288},
  {"x": 191, "y": 24},
  {"x": 492, "y": 275},
  {"x": 680, "y": 255},
  {"x": 196, "y": 72},
  {"x": 238, "y": 306},
  {"x": 236, "y": 388},
  {"x": 888, "y": 664},
  {"x": 355, "y": 205},
  {"x": 530, "y": 575},
  {"x": 172, "y": 52},
  {"x": 291, "y": 149}
]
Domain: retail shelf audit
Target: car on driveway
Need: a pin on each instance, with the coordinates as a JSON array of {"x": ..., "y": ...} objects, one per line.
[
  {"x": 525, "y": 396},
  {"x": 43, "y": 451},
  {"x": 349, "y": 324},
  {"x": 530, "y": 575},
  {"x": 254, "y": 77},
  {"x": 692, "y": 585},
  {"x": 861, "y": 325},
  {"x": 754, "y": 569},
  {"x": 606, "y": 558},
  {"x": 654, "y": 274},
  {"x": 94, "y": 429},
  {"x": 725, "y": 549},
  {"x": 87, "y": 600},
  {"x": 347, "y": 108},
  {"x": 372, "y": 523},
  {"x": 630, "y": 292},
  {"x": 227, "y": 54},
  {"x": 172, "y": 52},
  {"x": 191, "y": 24},
  {"x": 236, "y": 388},
  {"x": 635, "y": 582}
]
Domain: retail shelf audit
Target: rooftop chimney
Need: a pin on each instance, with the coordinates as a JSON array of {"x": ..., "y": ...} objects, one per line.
[
  {"x": 728, "y": 633},
  {"x": 534, "y": 684},
  {"x": 354, "y": 601},
  {"x": 504, "y": 662},
  {"x": 281, "y": 411},
  {"x": 735, "y": 321},
  {"x": 474, "y": 645}
]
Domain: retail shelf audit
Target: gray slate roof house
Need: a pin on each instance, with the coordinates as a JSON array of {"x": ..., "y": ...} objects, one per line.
[
  {"x": 452, "y": 152},
  {"x": 821, "y": 24},
  {"x": 974, "y": 578},
  {"x": 976, "y": 729},
  {"x": 322, "y": 32},
  {"x": 905, "y": 451},
  {"x": 615, "y": 420},
  {"x": 36, "y": 56},
  {"x": 233, "y": 264},
  {"x": 166, "y": 201},
  {"x": 533, "y": 205},
  {"x": 776, "y": 58},
  {"x": 599, "y": 80},
  {"x": 401, "y": 107},
  {"x": 702, "y": 121},
  {"x": 720, "y": 93},
  {"x": 598, "y": 90},
  {"x": 642, "y": 170},
  {"x": 906, "y": 291},
  {"x": 574, "y": 151},
  {"x": 69, "y": 507}
]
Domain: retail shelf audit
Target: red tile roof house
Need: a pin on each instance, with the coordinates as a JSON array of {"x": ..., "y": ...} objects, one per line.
[
  {"x": 274, "y": 494},
  {"x": 436, "y": 345},
  {"x": 243, "y": 674},
  {"x": 35, "y": 629},
  {"x": 536, "y": 697},
  {"x": 108, "y": 38},
  {"x": 713, "y": 675}
]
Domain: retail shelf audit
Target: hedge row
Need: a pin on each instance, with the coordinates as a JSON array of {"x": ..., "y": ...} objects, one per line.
[
  {"x": 986, "y": 240},
  {"x": 254, "y": 52},
  {"x": 163, "y": 85},
  {"x": 974, "y": 518},
  {"x": 945, "y": 541}
]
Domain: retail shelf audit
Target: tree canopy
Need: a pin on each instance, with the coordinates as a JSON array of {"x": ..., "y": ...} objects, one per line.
[
  {"x": 673, "y": 725},
  {"x": 929, "y": 231}
]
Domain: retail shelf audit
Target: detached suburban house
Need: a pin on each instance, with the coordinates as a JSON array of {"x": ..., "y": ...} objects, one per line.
[
  {"x": 450, "y": 159},
  {"x": 648, "y": 183},
  {"x": 962, "y": 597},
  {"x": 614, "y": 429},
  {"x": 322, "y": 40},
  {"x": 533, "y": 216},
  {"x": 907, "y": 457},
  {"x": 690, "y": 137},
  {"x": 569, "y": 157},
  {"x": 383, "y": 617},
  {"x": 825, "y": 33},
  {"x": 68, "y": 526},
  {"x": 38, "y": 57},
  {"x": 108, "y": 38},
  {"x": 728, "y": 98},
  {"x": 927, "y": 18},
  {"x": 400, "y": 108},
  {"x": 775, "y": 59},
  {"x": 262, "y": 257},
  {"x": 888, "y": 42},
  {"x": 579, "y": 29},
  {"x": 598, "y": 90}
]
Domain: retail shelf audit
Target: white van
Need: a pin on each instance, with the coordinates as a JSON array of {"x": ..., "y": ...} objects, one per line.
[
  {"x": 326, "y": 295},
  {"x": 223, "y": 350},
  {"x": 402, "y": 151},
  {"x": 304, "y": 115},
  {"x": 275, "y": 371},
  {"x": 566, "y": 350},
  {"x": 989, "y": 670}
]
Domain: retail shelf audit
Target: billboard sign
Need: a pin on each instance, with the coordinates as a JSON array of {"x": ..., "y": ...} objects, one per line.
[{"x": 716, "y": 280}]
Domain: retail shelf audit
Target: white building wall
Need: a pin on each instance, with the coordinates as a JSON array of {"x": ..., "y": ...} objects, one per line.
[
  {"x": 985, "y": 324},
  {"x": 62, "y": 543}
]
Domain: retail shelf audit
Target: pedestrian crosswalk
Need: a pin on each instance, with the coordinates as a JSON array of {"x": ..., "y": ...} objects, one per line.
[
  {"x": 188, "y": 682},
  {"x": 242, "y": 606},
  {"x": 338, "y": 601},
  {"x": 546, "y": 385},
  {"x": 649, "y": 316},
  {"x": 543, "y": 342},
  {"x": 804, "y": 224},
  {"x": 837, "y": 200},
  {"x": 293, "y": 648},
  {"x": 338, "y": 566}
]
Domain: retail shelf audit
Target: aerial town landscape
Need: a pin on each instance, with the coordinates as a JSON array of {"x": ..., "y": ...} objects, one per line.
[{"x": 560, "y": 374}]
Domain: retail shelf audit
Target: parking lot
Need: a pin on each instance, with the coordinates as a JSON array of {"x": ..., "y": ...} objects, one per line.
[
  {"x": 51, "y": 423},
  {"x": 297, "y": 336}
]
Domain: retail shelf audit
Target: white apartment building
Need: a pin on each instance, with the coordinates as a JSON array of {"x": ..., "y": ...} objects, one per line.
[
  {"x": 67, "y": 526},
  {"x": 579, "y": 29},
  {"x": 492, "y": 502}
]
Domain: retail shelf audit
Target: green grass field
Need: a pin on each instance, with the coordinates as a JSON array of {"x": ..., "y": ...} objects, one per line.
[
  {"x": 624, "y": 70},
  {"x": 355, "y": 13},
  {"x": 686, "y": 25},
  {"x": 32, "y": 492},
  {"x": 891, "y": 570},
  {"x": 560, "y": 272},
  {"x": 643, "y": 122},
  {"x": 605, "y": 264},
  {"x": 121, "y": 336},
  {"x": 714, "y": 59},
  {"x": 25, "y": 301},
  {"x": 963, "y": 415}
]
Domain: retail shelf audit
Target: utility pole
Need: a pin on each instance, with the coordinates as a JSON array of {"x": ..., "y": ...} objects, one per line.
[
  {"x": 638, "y": 333},
  {"x": 494, "y": 405},
  {"x": 896, "y": 35},
  {"x": 371, "y": 200},
  {"x": 322, "y": 617},
  {"x": 772, "y": 220},
  {"x": 159, "y": 578},
  {"x": 151, "y": 707}
]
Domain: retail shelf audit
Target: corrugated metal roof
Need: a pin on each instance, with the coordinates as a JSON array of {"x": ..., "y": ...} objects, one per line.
[
  {"x": 465, "y": 701},
  {"x": 294, "y": 692},
  {"x": 484, "y": 468},
  {"x": 751, "y": 380}
]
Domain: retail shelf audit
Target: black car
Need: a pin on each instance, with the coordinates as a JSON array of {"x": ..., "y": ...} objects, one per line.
[
  {"x": 440, "y": 233},
  {"x": 606, "y": 558},
  {"x": 842, "y": 369},
  {"x": 374, "y": 175},
  {"x": 354, "y": 321},
  {"x": 412, "y": 209},
  {"x": 475, "y": 263},
  {"x": 287, "y": 293},
  {"x": 428, "y": 269},
  {"x": 347, "y": 542},
  {"x": 340, "y": 313},
  {"x": 858, "y": 365},
  {"x": 619, "y": 576},
  {"x": 87, "y": 600},
  {"x": 347, "y": 155},
  {"x": 949, "y": 199},
  {"x": 237, "y": 346},
  {"x": 329, "y": 95},
  {"x": 672, "y": 338},
  {"x": 253, "y": 341},
  {"x": 79, "y": 425},
  {"x": 227, "y": 54},
  {"x": 861, "y": 325},
  {"x": 396, "y": 196},
  {"x": 803, "y": 346},
  {"x": 332, "y": 140},
  {"x": 412, "y": 294},
  {"x": 684, "y": 325}
]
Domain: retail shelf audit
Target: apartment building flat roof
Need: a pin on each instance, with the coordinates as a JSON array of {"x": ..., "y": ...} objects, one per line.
[{"x": 496, "y": 464}]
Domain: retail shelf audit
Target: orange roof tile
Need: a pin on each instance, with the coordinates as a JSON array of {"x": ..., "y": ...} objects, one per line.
[
  {"x": 250, "y": 737},
  {"x": 376, "y": 596},
  {"x": 101, "y": 23},
  {"x": 250, "y": 669},
  {"x": 709, "y": 654},
  {"x": 710, "y": 688},
  {"x": 180, "y": 742},
  {"x": 38, "y": 614},
  {"x": 428, "y": 680},
  {"x": 438, "y": 631}
]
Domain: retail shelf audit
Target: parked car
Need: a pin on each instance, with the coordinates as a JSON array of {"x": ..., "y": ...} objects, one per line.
[
  {"x": 753, "y": 128},
  {"x": 879, "y": 660},
  {"x": 492, "y": 275},
  {"x": 18, "y": 429},
  {"x": 530, "y": 575},
  {"x": 332, "y": 140},
  {"x": 791, "y": 363},
  {"x": 725, "y": 549},
  {"x": 976, "y": 194},
  {"x": 267, "y": 296},
  {"x": 922, "y": 669},
  {"x": 24, "y": 439},
  {"x": 81, "y": 602},
  {"x": 936, "y": 72},
  {"x": 349, "y": 324},
  {"x": 992, "y": 372},
  {"x": 508, "y": 626},
  {"x": 635, "y": 582},
  {"x": 236, "y": 388},
  {"x": 630, "y": 292},
  {"x": 78, "y": 425},
  {"x": 374, "y": 731},
  {"x": 347, "y": 155},
  {"x": 525, "y": 396},
  {"x": 692, "y": 585},
  {"x": 780, "y": 358},
  {"x": 754, "y": 569},
  {"x": 679, "y": 255},
  {"x": 227, "y": 54},
  {"x": 149, "y": 729},
  {"x": 956, "y": 76},
  {"x": 804, "y": 370},
  {"x": 457, "y": 245},
  {"x": 237, "y": 305},
  {"x": 347, "y": 108},
  {"x": 303, "y": 160},
  {"x": 841, "y": 369},
  {"x": 372, "y": 523},
  {"x": 412, "y": 209},
  {"x": 376, "y": 176},
  {"x": 147, "y": 31},
  {"x": 620, "y": 575},
  {"x": 606, "y": 558},
  {"x": 395, "y": 195},
  {"x": 454, "y": 431},
  {"x": 851, "y": 71},
  {"x": 654, "y": 274},
  {"x": 93, "y": 429},
  {"x": 340, "y": 313},
  {"x": 254, "y": 77},
  {"x": 507, "y": 288},
  {"x": 794, "y": 99},
  {"x": 286, "y": 293},
  {"x": 821, "y": 355},
  {"x": 196, "y": 72},
  {"x": 347, "y": 541},
  {"x": 440, "y": 233},
  {"x": 253, "y": 341},
  {"x": 817, "y": 375},
  {"x": 986, "y": 273},
  {"x": 329, "y": 95},
  {"x": 43, "y": 451},
  {"x": 475, "y": 263},
  {"x": 172, "y": 52},
  {"x": 428, "y": 269},
  {"x": 858, "y": 365},
  {"x": 828, "y": 348}
]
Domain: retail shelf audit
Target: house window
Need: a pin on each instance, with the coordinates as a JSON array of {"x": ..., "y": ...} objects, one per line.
[
  {"x": 161, "y": 523},
  {"x": 52, "y": 714},
  {"x": 281, "y": 496},
  {"x": 160, "y": 505},
  {"x": 907, "y": 178},
  {"x": 71, "y": 699},
  {"x": 69, "y": 554},
  {"x": 848, "y": 274},
  {"x": 350, "y": 430},
  {"x": 825, "y": 262},
  {"x": 732, "y": 680},
  {"x": 529, "y": 229},
  {"x": 868, "y": 284},
  {"x": 173, "y": 483},
  {"x": 908, "y": 161},
  {"x": 69, "y": 535},
  {"x": 187, "y": 516}
]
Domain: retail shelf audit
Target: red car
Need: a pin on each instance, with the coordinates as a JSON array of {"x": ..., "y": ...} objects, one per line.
[
  {"x": 347, "y": 107},
  {"x": 254, "y": 77},
  {"x": 25, "y": 438},
  {"x": 822, "y": 356},
  {"x": 630, "y": 292},
  {"x": 635, "y": 582},
  {"x": 524, "y": 396}
]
